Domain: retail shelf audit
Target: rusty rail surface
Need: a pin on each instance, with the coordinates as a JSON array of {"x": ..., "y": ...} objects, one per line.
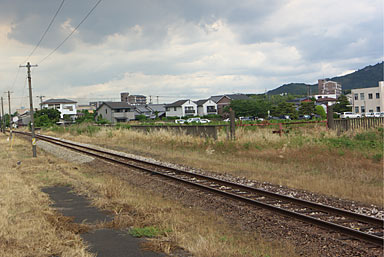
[{"x": 335, "y": 219}]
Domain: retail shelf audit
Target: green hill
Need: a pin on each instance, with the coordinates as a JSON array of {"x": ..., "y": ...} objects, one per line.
[{"x": 366, "y": 77}]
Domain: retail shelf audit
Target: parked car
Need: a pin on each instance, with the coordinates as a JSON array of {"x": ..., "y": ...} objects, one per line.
[
  {"x": 204, "y": 121},
  {"x": 369, "y": 114},
  {"x": 180, "y": 121},
  {"x": 305, "y": 117},
  {"x": 349, "y": 115},
  {"x": 284, "y": 117},
  {"x": 197, "y": 120},
  {"x": 246, "y": 118}
]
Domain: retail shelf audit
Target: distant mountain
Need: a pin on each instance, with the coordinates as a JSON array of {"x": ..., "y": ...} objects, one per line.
[{"x": 366, "y": 77}]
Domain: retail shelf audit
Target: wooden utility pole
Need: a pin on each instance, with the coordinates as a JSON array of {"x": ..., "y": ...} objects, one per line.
[
  {"x": 2, "y": 116},
  {"x": 10, "y": 116},
  {"x": 33, "y": 139},
  {"x": 232, "y": 125},
  {"x": 330, "y": 122}
]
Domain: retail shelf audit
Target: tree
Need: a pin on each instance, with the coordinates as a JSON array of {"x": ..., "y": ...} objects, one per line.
[
  {"x": 307, "y": 108},
  {"x": 284, "y": 108},
  {"x": 46, "y": 117},
  {"x": 319, "y": 110},
  {"x": 342, "y": 105},
  {"x": 85, "y": 116},
  {"x": 256, "y": 108}
]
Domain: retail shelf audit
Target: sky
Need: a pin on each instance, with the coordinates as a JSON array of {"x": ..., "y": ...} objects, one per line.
[{"x": 182, "y": 49}]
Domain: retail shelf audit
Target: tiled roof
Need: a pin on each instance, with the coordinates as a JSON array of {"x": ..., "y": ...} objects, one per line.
[
  {"x": 177, "y": 103},
  {"x": 58, "y": 101},
  {"x": 117, "y": 105}
]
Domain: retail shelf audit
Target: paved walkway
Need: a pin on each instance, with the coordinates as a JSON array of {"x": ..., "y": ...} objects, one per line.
[{"x": 104, "y": 242}]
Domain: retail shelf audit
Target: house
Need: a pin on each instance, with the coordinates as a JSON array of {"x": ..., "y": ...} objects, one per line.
[
  {"x": 158, "y": 110},
  {"x": 64, "y": 106},
  {"x": 225, "y": 100},
  {"x": 206, "y": 107},
  {"x": 142, "y": 110},
  {"x": 24, "y": 119},
  {"x": 116, "y": 111},
  {"x": 368, "y": 100},
  {"x": 181, "y": 108}
]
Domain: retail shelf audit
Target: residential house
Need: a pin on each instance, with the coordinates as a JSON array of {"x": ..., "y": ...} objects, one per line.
[
  {"x": 158, "y": 110},
  {"x": 225, "y": 100},
  {"x": 371, "y": 99},
  {"x": 116, "y": 111},
  {"x": 142, "y": 110},
  {"x": 181, "y": 108},
  {"x": 64, "y": 106},
  {"x": 206, "y": 107}
]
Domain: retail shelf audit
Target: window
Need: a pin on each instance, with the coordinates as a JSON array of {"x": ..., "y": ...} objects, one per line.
[
  {"x": 377, "y": 95},
  {"x": 356, "y": 109},
  {"x": 370, "y": 110},
  {"x": 106, "y": 111},
  {"x": 167, "y": 109},
  {"x": 356, "y": 96},
  {"x": 361, "y": 96},
  {"x": 370, "y": 96},
  {"x": 378, "y": 108},
  {"x": 362, "y": 109},
  {"x": 175, "y": 108}
]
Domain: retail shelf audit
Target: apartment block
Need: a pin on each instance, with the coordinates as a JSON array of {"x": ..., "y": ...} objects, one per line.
[{"x": 366, "y": 100}]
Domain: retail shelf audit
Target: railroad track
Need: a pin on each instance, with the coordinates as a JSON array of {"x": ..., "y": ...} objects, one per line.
[{"x": 351, "y": 225}]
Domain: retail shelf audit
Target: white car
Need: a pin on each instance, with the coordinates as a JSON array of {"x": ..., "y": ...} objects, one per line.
[
  {"x": 349, "y": 115},
  {"x": 197, "y": 120},
  {"x": 180, "y": 121},
  {"x": 205, "y": 121}
]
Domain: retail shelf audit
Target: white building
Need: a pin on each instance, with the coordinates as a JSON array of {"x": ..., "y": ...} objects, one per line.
[
  {"x": 181, "y": 108},
  {"x": 371, "y": 99},
  {"x": 206, "y": 107},
  {"x": 64, "y": 106}
]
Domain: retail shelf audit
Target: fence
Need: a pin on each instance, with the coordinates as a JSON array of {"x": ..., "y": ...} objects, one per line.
[{"x": 358, "y": 123}]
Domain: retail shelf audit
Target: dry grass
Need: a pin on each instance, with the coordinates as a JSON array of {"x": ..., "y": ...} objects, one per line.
[
  {"x": 28, "y": 227},
  {"x": 312, "y": 159}
]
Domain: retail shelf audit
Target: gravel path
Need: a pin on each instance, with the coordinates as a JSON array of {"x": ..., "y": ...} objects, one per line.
[{"x": 64, "y": 153}]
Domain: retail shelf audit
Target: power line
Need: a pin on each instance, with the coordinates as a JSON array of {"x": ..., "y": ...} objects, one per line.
[
  {"x": 70, "y": 34},
  {"x": 46, "y": 30}
]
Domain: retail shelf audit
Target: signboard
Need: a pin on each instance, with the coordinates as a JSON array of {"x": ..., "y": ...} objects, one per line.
[{"x": 33, "y": 141}]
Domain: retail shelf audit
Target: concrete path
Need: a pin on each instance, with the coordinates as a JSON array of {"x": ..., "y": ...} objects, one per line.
[{"x": 103, "y": 242}]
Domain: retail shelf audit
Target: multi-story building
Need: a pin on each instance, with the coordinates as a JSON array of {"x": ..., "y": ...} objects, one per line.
[
  {"x": 64, "y": 106},
  {"x": 329, "y": 87},
  {"x": 133, "y": 99},
  {"x": 366, "y": 100}
]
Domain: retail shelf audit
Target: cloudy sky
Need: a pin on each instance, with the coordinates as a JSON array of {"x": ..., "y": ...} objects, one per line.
[{"x": 182, "y": 48}]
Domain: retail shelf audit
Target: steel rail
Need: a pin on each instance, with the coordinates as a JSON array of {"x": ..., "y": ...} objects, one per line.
[{"x": 325, "y": 224}]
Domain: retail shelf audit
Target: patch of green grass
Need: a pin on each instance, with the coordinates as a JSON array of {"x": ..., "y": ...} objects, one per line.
[{"x": 149, "y": 231}]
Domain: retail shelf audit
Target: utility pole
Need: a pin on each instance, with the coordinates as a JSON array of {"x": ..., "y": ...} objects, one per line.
[
  {"x": 9, "y": 111},
  {"x": 41, "y": 101},
  {"x": 2, "y": 116},
  {"x": 150, "y": 99},
  {"x": 33, "y": 139}
]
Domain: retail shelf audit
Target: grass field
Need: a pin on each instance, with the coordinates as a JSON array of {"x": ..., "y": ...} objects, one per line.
[
  {"x": 312, "y": 158},
  {"x": 29, "y": 227}
]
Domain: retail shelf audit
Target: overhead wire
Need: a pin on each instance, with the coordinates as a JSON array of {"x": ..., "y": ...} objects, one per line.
[
  {"x": 46, "y": 30},
  {"x": 73, "y": 31}
]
